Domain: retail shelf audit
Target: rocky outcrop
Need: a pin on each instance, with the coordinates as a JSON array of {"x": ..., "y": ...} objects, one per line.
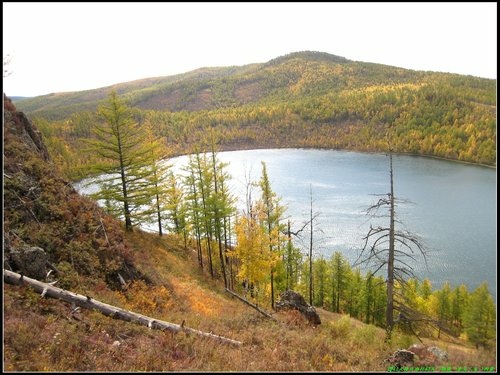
[
  {"x": 293, "y": 300},
  {"x": 19, "y": 125},
  {"x": 46, "y": 220}
]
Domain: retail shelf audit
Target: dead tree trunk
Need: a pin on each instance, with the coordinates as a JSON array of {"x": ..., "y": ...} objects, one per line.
[
  {"x": 109, "y": 310},
  {"x": 389, "y": 316}
]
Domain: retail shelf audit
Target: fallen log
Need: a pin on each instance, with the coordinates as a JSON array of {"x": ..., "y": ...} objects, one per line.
[
  {"x": 109, "y": 310},
  {"x": 267, "y": 315}
]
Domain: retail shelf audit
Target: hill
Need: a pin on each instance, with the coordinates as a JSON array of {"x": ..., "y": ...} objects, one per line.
[
  {"x": 287, "y": 77},
  {"x": 303, "y": 99},
  {"x": 89, "y": 254}
]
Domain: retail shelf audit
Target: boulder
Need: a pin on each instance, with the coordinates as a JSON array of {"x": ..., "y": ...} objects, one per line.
[
  {"x": 293, "y": 300},
  {"x": 428, "y": 354},
  {"x": 441, "y": 355},
  {"x": 30, "y": 261},
  {"x": 401, "y": 358}
]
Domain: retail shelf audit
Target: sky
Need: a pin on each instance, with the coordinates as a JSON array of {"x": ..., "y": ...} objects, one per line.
[{"x": 60, "y": 47}]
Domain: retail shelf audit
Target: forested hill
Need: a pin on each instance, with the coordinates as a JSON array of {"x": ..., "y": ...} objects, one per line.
[
  {"x": 297, "y": 75},
  {"x": 304, "y": 99}
]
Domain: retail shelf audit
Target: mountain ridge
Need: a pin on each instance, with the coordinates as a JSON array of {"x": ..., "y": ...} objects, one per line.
[
  {"x": 243, "y": 78},
  {"x": 302, "y": 99}
]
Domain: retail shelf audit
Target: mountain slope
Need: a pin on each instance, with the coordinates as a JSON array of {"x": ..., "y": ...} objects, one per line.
[
  {"x": 283, "y": 78},
  {"x": 304, "y": 99}
]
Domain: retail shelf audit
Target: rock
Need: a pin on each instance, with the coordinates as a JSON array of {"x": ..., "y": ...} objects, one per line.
[
  {"x": 30, "y": 261},
  {"x": 401, "y": 358},
  {"x": 441, "y": 355},
  {"x": 20, "y": 125},
  {"x": 428, "y": 355},
  {"x": 293, "y": 300}
]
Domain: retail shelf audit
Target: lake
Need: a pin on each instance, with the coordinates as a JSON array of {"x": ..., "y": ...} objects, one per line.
[{"x": 452, "y": 206}]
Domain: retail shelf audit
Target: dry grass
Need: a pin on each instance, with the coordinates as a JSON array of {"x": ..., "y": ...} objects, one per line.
[{"x": 40, "y": 335}]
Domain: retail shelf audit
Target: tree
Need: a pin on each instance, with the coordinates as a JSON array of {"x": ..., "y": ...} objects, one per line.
[
  {"x": 252, "y": 250},
  {"x": 201, "y": 181},
  {"x": 311, "y": 222},
  {"x": 479, "y": 317},
  {"x": 221, "y": 203},
  {"x": 339, "y": 277},
  {"x": 443, "y": 306},
  {"x": 459, "y": 299},
  {"x": 156, "y": 180},
  {"x": 293, "y": 261},
  {"x": 273, "y": 214},
  {"x": 175, "y": 209},
  {"x": 193, "y": 208},
  {"x": 320, "y": 277},
  {"x": 391, "y": 248},
  {"x": 122, "y": 145}
]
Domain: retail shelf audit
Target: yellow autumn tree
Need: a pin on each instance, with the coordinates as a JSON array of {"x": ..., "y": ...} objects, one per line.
[{"x": 252, "y": 251}]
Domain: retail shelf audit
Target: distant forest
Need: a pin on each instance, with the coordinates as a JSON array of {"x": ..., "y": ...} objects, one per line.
[{"x": 304, "y": 99}]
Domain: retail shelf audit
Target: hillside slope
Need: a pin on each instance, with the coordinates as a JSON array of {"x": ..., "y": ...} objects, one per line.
[
  {"x": 181, "y": 293},
  {"x": 298, "y": 74}
]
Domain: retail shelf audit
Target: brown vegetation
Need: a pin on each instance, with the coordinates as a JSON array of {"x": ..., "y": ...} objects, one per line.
[{"x": 41, "y": 335}]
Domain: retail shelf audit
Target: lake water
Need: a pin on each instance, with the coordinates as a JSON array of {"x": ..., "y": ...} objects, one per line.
[{"x": 452, "y": 205}]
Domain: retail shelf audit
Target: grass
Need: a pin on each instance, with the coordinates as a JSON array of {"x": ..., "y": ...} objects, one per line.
[{"x": 41, "y": 335}]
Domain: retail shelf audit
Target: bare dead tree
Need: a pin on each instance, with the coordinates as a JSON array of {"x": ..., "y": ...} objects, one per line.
[{"x": 392, "y": 248}]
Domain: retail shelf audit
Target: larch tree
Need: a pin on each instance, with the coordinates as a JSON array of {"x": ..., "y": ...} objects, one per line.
[
  {"x": 121, "y": 144},
  {"x": 221, "y": 204},
  {"x": 459, "y": 299},
  {"x": 293, "y": 261},
  {"x": 479, "y": 316},
  {"x": 321, "y": 281},
  {"x": 156, "y": 182},
  {"x": 200, "y": 182},
  {"x": 252, "y": 250},
  {"x": 339, "y": 276},
  {"x": 175, "y": 208},
  {"x": 193, "y": 209},
  {"x": 273, "y": 216}
]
